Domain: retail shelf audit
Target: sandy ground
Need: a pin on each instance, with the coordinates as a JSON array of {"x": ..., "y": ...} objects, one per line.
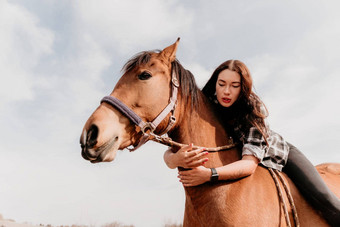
[
  {"x": 6, "y": 223},
  {"x": 11, "y": 223}
]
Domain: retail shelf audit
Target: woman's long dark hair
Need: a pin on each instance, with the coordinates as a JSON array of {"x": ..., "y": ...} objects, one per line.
[{"x": 248, "y": 111}]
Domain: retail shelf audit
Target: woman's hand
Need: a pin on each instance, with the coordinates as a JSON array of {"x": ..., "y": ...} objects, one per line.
[
  {"x": 186, "y": 157},
  {"x": 195, "y": 176}
]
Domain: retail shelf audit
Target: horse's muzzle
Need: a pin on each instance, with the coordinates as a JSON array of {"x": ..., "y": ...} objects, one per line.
[
  {"x": 88, "y": 140},
  {"x": 94, "y": 151}
]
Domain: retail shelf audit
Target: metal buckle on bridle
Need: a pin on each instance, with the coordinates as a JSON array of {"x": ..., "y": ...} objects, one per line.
[
  {"x": 147, "y": 126},
  {"x": 172, "y": 119}
]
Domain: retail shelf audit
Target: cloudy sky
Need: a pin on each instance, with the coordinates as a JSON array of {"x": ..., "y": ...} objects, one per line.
[{"x": 59, "y": 58}]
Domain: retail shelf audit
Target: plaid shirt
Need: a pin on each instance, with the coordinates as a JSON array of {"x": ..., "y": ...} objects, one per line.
[{"x": 274, "y": 155}]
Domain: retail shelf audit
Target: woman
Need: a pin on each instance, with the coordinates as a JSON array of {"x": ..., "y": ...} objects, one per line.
[{"x": 243, "y": 115}]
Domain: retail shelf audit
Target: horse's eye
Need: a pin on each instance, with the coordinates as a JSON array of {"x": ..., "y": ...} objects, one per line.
[{"x": 144, "y": 76}]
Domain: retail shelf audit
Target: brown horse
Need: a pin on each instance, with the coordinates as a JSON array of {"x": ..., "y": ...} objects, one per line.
[{"x": 146, "y": 88}]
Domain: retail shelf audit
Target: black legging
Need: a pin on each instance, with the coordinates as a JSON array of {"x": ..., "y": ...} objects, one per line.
[{"x": 309, "y": 182}]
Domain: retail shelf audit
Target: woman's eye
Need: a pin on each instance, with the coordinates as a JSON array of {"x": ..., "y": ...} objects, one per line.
[{"x": 144, "y": 76}]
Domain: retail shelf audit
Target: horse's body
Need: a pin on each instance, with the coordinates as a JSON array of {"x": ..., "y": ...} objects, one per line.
[{"x": 251, "y": 201}]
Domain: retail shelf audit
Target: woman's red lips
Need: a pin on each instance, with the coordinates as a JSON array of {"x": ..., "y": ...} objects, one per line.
[{"x": 226, "y": 100}]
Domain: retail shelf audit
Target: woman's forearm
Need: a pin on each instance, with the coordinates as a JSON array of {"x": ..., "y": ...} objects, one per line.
[
  {"x": 242, "y": 168},
  {"x": 235, "y": 170}
]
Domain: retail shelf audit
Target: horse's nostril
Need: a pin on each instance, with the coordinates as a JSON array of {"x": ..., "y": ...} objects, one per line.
[{"x": 92, "y": 136}]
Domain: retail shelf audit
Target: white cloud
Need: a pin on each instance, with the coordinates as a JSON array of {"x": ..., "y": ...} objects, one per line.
[
  {"x": 23, "y": 43},
  {"x": 200, "y": 72},
  {"x": 128, "y": 24}
]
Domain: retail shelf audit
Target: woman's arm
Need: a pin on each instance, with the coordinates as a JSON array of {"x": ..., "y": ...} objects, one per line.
[
  {"x": 185, "y": 157},
  {"x": 242, "y": 168}
]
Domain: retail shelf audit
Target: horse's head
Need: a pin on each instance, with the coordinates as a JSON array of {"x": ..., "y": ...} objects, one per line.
[{"x": 145, "y": 88}]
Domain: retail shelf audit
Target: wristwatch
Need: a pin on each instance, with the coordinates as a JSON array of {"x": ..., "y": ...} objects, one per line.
[{"x": 214, "y": 175}]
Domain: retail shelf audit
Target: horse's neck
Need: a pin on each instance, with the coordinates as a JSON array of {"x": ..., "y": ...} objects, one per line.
[{"x": 202, "y": 128}]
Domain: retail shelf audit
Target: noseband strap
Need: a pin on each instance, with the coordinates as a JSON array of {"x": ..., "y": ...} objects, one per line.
[
  {"x": 113, "y": 101},
  {"x": 148, "y": 126}
]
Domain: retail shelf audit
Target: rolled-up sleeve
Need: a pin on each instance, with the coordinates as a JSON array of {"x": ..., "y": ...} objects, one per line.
[{"x": 254, "y": 144}]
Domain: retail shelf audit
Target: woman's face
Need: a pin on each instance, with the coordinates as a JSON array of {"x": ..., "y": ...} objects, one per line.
[{"x": 228, "y": 87}]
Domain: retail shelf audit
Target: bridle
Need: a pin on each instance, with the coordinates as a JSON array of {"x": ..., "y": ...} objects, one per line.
[{"x": 148, "y": 128}]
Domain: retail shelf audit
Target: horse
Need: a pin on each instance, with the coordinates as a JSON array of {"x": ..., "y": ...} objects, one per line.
[{"x": 143, "y": 102}]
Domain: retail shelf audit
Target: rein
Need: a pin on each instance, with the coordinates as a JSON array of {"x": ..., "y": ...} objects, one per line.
[
  {"x": 169, "y": 142},
  {"x": 274, "y": 174},
  {"x": 148, "y": 128}
]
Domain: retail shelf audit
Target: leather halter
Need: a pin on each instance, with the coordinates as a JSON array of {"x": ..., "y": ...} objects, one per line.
[{"x": 148, "y": 128}]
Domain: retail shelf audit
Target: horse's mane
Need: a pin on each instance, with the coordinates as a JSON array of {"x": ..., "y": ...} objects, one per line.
[{"x": 188, "y": 87}]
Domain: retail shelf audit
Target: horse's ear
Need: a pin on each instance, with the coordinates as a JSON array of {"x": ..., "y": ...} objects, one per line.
[{"x": 169, "y": 53}]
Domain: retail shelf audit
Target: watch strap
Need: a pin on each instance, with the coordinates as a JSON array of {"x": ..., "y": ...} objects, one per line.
[{"x": 214, "y": 175}]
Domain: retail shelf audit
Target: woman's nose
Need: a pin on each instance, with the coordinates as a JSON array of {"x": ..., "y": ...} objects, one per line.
[{"x": 227, "y": 90}]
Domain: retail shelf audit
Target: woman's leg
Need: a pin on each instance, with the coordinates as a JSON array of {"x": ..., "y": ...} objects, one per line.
[{"x": 309, "y": 182}]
